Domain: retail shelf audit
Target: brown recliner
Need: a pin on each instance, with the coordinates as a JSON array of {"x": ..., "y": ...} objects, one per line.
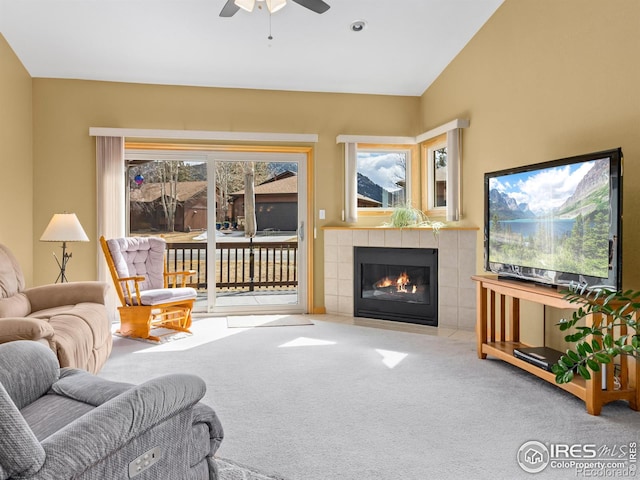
[{"x": 71, "y": 318}]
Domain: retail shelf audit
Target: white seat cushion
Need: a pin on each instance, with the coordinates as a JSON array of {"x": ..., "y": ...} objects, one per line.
[{"x": 164, "y": 295}]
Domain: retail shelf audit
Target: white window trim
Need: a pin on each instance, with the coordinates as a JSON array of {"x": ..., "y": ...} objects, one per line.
[
  {"x": 376, "y": 139},
  {"x": 423, "y": 137},
  {"x": 350, "y": 211},
  {"x": 203, "y": 135}
]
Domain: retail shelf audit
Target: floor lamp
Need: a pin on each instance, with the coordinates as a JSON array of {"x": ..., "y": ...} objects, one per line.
[{"x": 64, "y": 227}]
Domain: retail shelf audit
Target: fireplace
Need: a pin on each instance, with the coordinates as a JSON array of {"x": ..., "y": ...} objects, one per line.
[{"x": 396, "y": 284}]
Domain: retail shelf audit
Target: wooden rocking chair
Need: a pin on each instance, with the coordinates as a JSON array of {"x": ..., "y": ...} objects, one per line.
[{"x": 150, "y": 296}]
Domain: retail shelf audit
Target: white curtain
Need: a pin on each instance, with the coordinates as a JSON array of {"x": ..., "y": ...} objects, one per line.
[
  {"x": 454, "y": 154},
  {"x": 111, "y": 202},
  {"x": 351, "y": 182}
]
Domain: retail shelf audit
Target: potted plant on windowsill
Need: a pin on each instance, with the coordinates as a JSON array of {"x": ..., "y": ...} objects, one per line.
[
  {"x": 599, "y": 344},
  {"x": 405, "y": 215}
]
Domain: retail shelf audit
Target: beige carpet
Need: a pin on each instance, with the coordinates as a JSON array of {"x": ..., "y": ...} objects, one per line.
[
  {"x": 250, "y": 321},
  {"x": 346, "y": 402}
]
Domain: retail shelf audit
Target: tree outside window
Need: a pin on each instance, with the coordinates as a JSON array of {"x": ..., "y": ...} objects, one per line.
[
  {"x": 435, "y": 175},
  {"x": 440, "y": 177}
]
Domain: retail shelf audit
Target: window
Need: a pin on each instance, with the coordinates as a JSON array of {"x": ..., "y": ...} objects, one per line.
[
  {"x": 382, "y": 177},
  {"x": 436, "y": 174}
]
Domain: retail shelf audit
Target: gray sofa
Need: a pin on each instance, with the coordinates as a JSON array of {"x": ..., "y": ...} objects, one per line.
[
  {"x": 71, "y": 318},
  {"x": 68, "y": 424}
]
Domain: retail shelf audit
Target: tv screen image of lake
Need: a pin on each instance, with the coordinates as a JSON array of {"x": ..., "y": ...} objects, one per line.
[
  {"x": 556, "y": 219},
  {"x": 531, "y": 226}
]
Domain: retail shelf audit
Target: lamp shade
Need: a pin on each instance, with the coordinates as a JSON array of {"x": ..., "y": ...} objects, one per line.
[
  {"x": 245, "y": 4},
  {"x": 64, "y": 227},
  {"x": 275, "y": 5}
]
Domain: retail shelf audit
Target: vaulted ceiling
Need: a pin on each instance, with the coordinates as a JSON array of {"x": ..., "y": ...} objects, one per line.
[{"x": 403, "y": 48}]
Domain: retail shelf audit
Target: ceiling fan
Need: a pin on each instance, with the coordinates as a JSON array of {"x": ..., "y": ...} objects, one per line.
[{"x": 232, "y": 6}]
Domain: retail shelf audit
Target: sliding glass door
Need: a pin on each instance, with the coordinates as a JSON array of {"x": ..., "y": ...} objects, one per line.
[
  {"x": 260, "y": 237},
  {"x": 237, "y": 219}
]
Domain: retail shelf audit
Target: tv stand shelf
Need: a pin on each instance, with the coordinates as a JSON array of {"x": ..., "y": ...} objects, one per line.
[{"x": 498, "y": 334}]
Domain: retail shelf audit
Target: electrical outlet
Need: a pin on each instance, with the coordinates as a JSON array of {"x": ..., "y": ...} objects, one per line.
[{"x": 144, "y": 461}]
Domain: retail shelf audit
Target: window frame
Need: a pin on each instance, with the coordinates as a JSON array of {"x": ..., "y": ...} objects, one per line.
[{"x": 428, "y": 177}]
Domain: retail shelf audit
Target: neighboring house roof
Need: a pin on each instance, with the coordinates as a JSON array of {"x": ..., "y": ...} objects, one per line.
[
  {"x": 150, "y": 192},
  {"x": 280, "y": 176},
  {"x": 284, "y": 185},
  {"x": 368, "y": 202}
]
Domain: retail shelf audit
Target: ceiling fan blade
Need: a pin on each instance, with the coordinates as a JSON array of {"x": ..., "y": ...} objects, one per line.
[
  {"x": 317, "y": 6},
  {"x": 229, "y": 9}
]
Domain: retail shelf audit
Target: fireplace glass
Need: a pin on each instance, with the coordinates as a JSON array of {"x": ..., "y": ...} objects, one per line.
[
  {"x": 398, "y": 284},
  {"x": 395, "y": 283}
]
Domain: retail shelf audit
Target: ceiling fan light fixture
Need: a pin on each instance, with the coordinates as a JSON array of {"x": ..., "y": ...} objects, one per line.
[
  {"x": 231, "y": 7},
  {"x": 245, "y": 4},
  {"x": 275, "y": 5}
]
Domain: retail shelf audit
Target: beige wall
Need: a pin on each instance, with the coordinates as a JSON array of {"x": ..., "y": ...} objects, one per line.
[
  {"x": 543, "y": 80},
  {"x": 16, "y": 162},
  {"x": 64, "y": 154}
]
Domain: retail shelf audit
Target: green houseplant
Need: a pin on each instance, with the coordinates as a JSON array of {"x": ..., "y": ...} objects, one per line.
[
  {"x": 601, "y": 343},
  {"x": 405, "y": 215}
]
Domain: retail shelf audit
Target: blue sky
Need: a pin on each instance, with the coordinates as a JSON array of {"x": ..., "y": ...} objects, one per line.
[{"x": 544, "y": 189}]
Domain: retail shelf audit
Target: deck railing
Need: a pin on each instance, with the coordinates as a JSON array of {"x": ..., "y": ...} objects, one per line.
[{"x": 239, "y": 266}]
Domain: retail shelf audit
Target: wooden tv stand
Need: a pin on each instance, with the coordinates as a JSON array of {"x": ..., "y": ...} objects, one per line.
[{"x": 498, "y": 333}]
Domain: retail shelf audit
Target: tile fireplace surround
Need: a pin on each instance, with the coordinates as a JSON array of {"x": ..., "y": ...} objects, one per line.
[{"x": 456, "y": 264}]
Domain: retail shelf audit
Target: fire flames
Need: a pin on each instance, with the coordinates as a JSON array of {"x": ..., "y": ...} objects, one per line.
[{"x": 400, "y": 283}]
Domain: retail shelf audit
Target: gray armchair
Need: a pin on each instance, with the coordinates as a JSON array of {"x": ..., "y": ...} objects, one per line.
[{"x": 67, "y": 423}]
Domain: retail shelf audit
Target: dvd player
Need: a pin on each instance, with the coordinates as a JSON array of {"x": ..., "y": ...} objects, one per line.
[{"x": 543, "y": 357}]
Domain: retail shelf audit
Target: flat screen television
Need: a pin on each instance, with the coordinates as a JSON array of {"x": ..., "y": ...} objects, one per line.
[{"x": 557, "y": 223}]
